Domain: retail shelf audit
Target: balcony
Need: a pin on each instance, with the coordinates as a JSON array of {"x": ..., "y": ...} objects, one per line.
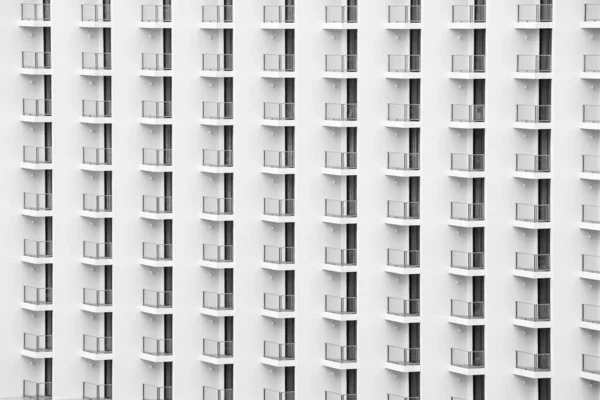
[
  {"x": 467, "y": 313},
  {"x": 157, "y": 255},
  {"x": 533, "y": 117},
  {"x": 96, "y": 64},
  {"x": 36, "y": 63},
  {"x": 403, "y": 311},
  {"x": 279, "y": 258},
  {"x": 217, "y": 209},
  {"x": 278, "y": 162},
  {"x": 157, "y": 302},
  {"x": 533, "y": 316},
  {"x": 465, "y": 263},
  {"x": 37, "y": 252},
  {"x": 151, "y": 392},
  {"x": 404, "y": 66},
  {"x": 532, "y": 266},
  {"x": 279, "y": 354},
  {"x": 97, "y": 206},
  {"x": 95, "y": 16},
  {"x": 37, "y": 299},
  {"x": 465, "y": 116},
  {"x": 590, "y": 368},
  {"x": 96, "y": 159},
  {"x": 278, "y": 306},
  {"x": 97, "y": 301},
  {"x": 217, "y": 113},
  {"x": 590, "y": 167},
  {"x": 217, "y": 66},
  {"x": 37, "y": 346},
  {"x": 340, "y": 357},
  {"x": 590, "y": 317},
  {"x": 591, "y": 16},
  {"x": 210, "y": 393},
  {"x": 401, "y": 213},
  {"x": 591, "y": 67},
  {"x": 217, "y": 17},
  {"x": 35, "y": 15},
  {"x": 97, "y": 348},
  {"x": 467, "y": 166},
  {"x": 467, "y": 67},
  {"x": 467, "y": 215},
  {"x": 340, "y": 260},
  {"x": 590, "y": 218},
  {"x": 37, "y": 111},
  {"x": 534, "y": 67},
  {"x": 278, "y": 210},
  {"x": 403, "y": 164},
  {"x": 96, "y": 254},
  {"x": 403, "y": 360},
  {"x": 156, "y": 65},
  {"x": 468, "y": 17},
  {"x": 157, "y": 350},
  {"x": 340, "y": 17},
  {"x": 278, "y": 17},
  {"x": 465, "y": 362},
  {"x": 530, "y": 166},
  {"x": 337, "y": 396},
  {"x": 37, "y": 158},
  {"x": 532, "y": 366},
  {"x": 217, "y": 353},
  {"x": 395, "y": 397},
  {"x": 91, "y": 391},
  {"x": 157, "y": 208},
  {"x": 340, "y": 115},
  {"x": 156, "y": 17},
  {"x": 217, "y": 257},
  {"x": 278, "y": 114},
  {"x": 341, "y": 66},
  {"x": 37, "y": 390},
  {"x": 591, "y": 117},
  {"x": 340, "y": 163},
  {"x": 278, "y": 66},
  {"x": 96, "y": 112},
  {"x": 340, "y": 308},
  {"x": 403, "y": 262},
  {"x": 216, "y": 161},
  {"x": 534, "y": 16},
  {"x": 532, "y": 216},
  {"x": 340, "y": 212},
  {"x": 269, "y": 394},
  {"x": 217, "y": 304},
  {"x": 156, "y": 113},
  {"x": 404, "y": 17},
  {"x": 403, "y": 116},
  {"x": 157, "y": 160},
  {"x": 37, "y": 205}
]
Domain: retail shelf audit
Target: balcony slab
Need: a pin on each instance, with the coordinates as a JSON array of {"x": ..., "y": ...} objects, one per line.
[
  {"x": 340, "y": 366},
  {"x": 339, "y": 26},
  {"x": 341, "y": 269},
  {"x": 156, "y": 358},
  {"x": 530, "y": 274},
  {"x": 592, "y": 276},
  {"x": 37, "y": 260},
  {"x": 216, "y": 122},
  {"x": 525, "y": 373},
  {"x": 340, "y": 75},
  {"x": 156, "y": 310},
  {"x": 95, "y": 167},
  {"x": 36, "y": 119},
  {"x": 217, "y": 264},
  {"x": 402, "y": 173},
  {"x": 37, "y": 355},
  {"x": 278, "y": 267},
  {"x": 402, "y": 270},
  {"x": 211, "y": 169},
  {"x": 277, "y": 25},
  {"x": 467, "y": 125},
  {"x": 96, "y": 120},
  {"x": 96, "y": 214},
  {"x": 156, "y": 216},
  {"x": 342, "y": 317},
  {"x": 403, "y": 319},
  {"x": 590, "y": 24},
  {"x": 97, "y": 262},
  {"x": 467, "y": 25},
  {"x": 37, "y": 166},
  {"x": 401, "y": 26},
  {"x": 36, "y": 307},
  {"x": 34, "y": 24},
  {"x": 403, "y": 75},
  {"x": 216, "y": 360},
  {"x": 591, "y": 176},
  {"x": 278, "y": 171},
  {"x": 96, "y": 356},
  {"x": 216, "y": 25},
  {"x": 461, "y": 223},
  {"x": 532, "y": 125},
  {"x": 402, "y": 124},
  {"x": 470, "y": 272},
  {"x": 278, "y": 219},
  {"x": 155, "y": 263},
  {"x": 216, "y": 217},
  {"x": 466, "y": 174},
  {"x": 155, "y": 25},
  {"x": 340, "y": 124},
  {"x": 278, "y": 314},
  {"x": 278, "y": 122},
  {"x": 94, "y": 24},
  {"x": 152, "y": 73},
  {"x": 466, "y": 321},
  {"x": 94, "y": 72},
  {"x": 532, "y": 175},
  {"x": 590, "y": 226},
  {"x": 278, "y": 363},
  {"x": 35, "y": 71},
  {"x": 402, "y": 367},
  {"x": 466, "y": 371},
  {"x": 534, "y": 25},
  {"x": 591, "y": 326},
  {"x": 278, "y": 74},
  {"x": 467, "y": 75},
  {"x": 96, "y": 309},
  {"x": 589, "y": 376},
  {"x": 340, "y": 171},
  {"x": 403, "y": 221},
  {"x": 340, "y": 220},
  {"x": 533, "y": 75},
  {"x": 531, "y": 225},
  {"x": 525, "y": 323},
  {"x": 211, "y": 312},
  {"x": 156, "y": 121},
  {"x": 36, "y": 213},
  {"x": 215, "y": 74}
]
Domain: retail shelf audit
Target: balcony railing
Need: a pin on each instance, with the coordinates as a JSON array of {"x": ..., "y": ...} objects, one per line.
[
  {"x": 335, "y": 256},
  {"x": 467, "y": 309},
  {"x": 467, "y": 359},
  {"x": 404, "y": 14},
  {"x": 97, "y": 156},
  {"x": 37, "y": 248},
  {"x": 97, "y": 250},
  {"x": 590, "y": 364},
  {"x": 468, "y": 113},
  {"x": 97, "y": 345},
  {"x": 279, "y": 255},
  {"x": 533, "y": 63},
  {"x": 591, "y": 164},
  {"x": 591, "y": 114},
  {"x": 533, "y": 114},
  {"x": 156, "y": 13},
  {"x": 340, "y": 305},
  {"x": 217, "y": 13},
  {"x": 591, "y": 63},
  {"x": 404, "y": 161},
  {"x": 216, "y": 349},
  {"x": 468, "y": 13},
  {"x": 532, "y": 312},
  {"x": 468, "y": 63},
  {"x": 467, "y": 211},
  {"x": 275, "y": 302},
  {"x": 157, "y": 299},
  {"x": 210, "y": 393},
  {"x": 37, "y": 343},
  {"x": 532, "y": 362},
  {"x": 279, "y": 351},
  {"x": 341, "y": 63},
  {"x": 217, "y": 110},
  {"x": 590, "y": 214},
  {"x": 404, "y": 112},
  {"x": 403, "y": 258},
  {"x": 534, "y": 13},
  {"x": 404, "y": 63},
  {"x": 467, "y": 162},
  {"x": 37, "y": 201},
  {"x": 97, "y": 298},
  {"x": 337, "y": 396},
  {"x": 96, "y": 61},
  {"x": 590, "y": 313},
  {"x": 37, "y": 390},
  {"x": 340, "y": 354},
  {"x": 269, "y": 394},
  {"x": 278, "y": 159},
  {"x": 403, "y": 307},
  {"x": 279, "y": 62},
  {"x": 278, "y": 207},
  {"x": 532, "y": 262},
  {"x": 37, "y": 296},
  {"x": 533, "y": 212},
  {"x": 97, "y": 203},
  {"x": 341, "y": 14},
  {"x": 403, "y": 210},
  {"x": 217, "y": 301},
  {"x": 91, "y": 391},
  {"x": 467, "y": 260},
  {"x": 157, "y": 204},
  {"x": 217, "y": 158},
  {"x": 96, "y": 108},
  {"x": 217, "y": 62},
  {"x": 279, "y": 14},
  {"x": 37, "y": 155},
  {"x": 279, "y": 111},
  {"x": 156, "y": 109},
  {"x": 340, "y": 208},
  {"x": 157, "y": 252},
  {"x": 157, "y": 157},
  {"x": 35, "y": 12},
  {"x": 37, "y": 107},
  {"x": 533, "y": 163},
  {"x": 340, "y": 112},
  {"x": 403, "y": 356},
  {"x": 216, "y": 253},
  {"x": 157, "y": 347},
  {"x": 36, "y": 60},
  {"x": 591, "y": 12},
  {"x": 95, "y": 12},
  {"x": 151, "y": 392},
  {"x": 156, "y": 61},
  {"x": 217, "y": 205},
  {"x": 340, "y": 160}
]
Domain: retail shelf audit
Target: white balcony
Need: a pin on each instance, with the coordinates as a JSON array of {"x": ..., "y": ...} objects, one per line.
[
  {"x": 35, "y": 15},
  {"x": 277, "y": 258},
  {"x": 217, "y": 304},
  {"x": 401, "y": 213},
  {"x": 340, "y": 260},
  {"x": 156, "y": 65},
  {"x": 404, "y": 66},
  {"x": 217, "y": 209},
  {"x": 340, "y": 163},
  {"x": 465, "y": 116},
  {"x": 279, "y": 355},
  {"x": 36, "y": 63},
  {"x": 278, "y": 17},
  {"x": 534, "y": 16},
  {"x": 157, "y": 208},
  {"x": 403, "y": 360},
  {"x": 530, "y": 166},
  {"x": 590, "y": 370},
  {"x": 156, "y": 113},
  {"x": 276, "y": 66},
  {"x": 402, "y": 17},
  {"x": 403, "y": 311},
  {"x": 156, "y": 17},
  {"x": 97, "y": 206},
  {"x": 37, "y": 252},
  {"x": 157, "y": 350},
  {"x": 340, "y": 308},
  {"x": 532, "y": 366},
  {"x": 97, "y": 348},
  {"x": 591, "y": 118},
  {"x": 217, "y": 256},
  {"x": 217, "y": 66},
  {"x": 95, "y": 16},
  {"x": 96, "y": 64},
  {"x": 217, "y": 17},
  {"x": 278, "y": 211},
  {"x": 467, "y": 215},
  {"x": 37, "y": 347},
  {"x": 590, "y": 267},
  {"x": 468, "y": 363},
  {"x": 341, "y": 358},
  {"x": 37, "y": 111},
  {"x": 403, "y": 262},
  {"x": 467, "y": 67},
  {"x": 156, "y": 255},
  {"x": 340, "y": 212},
  {"x": 217, "y": 113},
  {"x": 467, "y": 17},
  {"x": 534, "y": 67},
  {"x": 217, "y": 353},
  {"x": 37, "y": 158},
  {"x": 37, "y": 299},
  {"x": 467, "y": 313},
  {"x": 403, "y": 165},
  {"x": 591, "y": 67},
  {"x": 157, "y": 302},
  {"x": 532, "y": 216},
  {"x": 591, "y": 16},
  {"x": 464, "y": 263},
  {"x": 403, "y": 116},
  {"x": 96, "y": 159},
  {"x": 341, "y": 66},
  {"x": 278, "y": 306},
  {"x": 341, "y": 17},
  {"x": 278, "y": 162},
  {"x": 278, "y": 114},
  {"x": 467, "y": 166},
  {"x": 532, "y": 266},
  {"x": 96, "y": 112},
  {"x": 533, "y": 117},
  {"x": 97, "y": 301},
  {"x": 97, "y": 254},
  {"x": 37, "y": 205},
  {"x": 340, "y": 115},
  {"x": 216, "y": 161},
  {"x": 532, "y": 316}
]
